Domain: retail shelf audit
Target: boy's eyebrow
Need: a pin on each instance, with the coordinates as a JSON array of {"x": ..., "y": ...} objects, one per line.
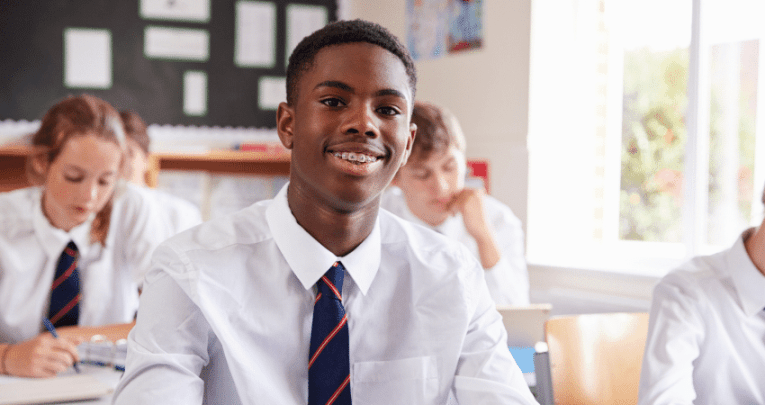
[{"x": 342, "y": 86}]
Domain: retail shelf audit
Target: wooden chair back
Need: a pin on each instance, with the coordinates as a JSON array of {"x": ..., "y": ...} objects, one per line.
[{"x": 596, "y": 358}]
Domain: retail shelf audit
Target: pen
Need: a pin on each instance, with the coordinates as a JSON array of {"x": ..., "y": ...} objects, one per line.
[{"x": 52, "y": 331}]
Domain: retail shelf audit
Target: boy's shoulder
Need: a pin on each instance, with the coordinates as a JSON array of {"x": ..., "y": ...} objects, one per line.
[
  {"x": 398, "y": 233},
  {"x": 246, "y": 226}
]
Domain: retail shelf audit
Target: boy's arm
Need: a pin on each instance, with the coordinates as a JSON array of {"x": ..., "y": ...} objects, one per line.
[
  {"x": 167, "y": 348},
  {"x": 674, "y": 335},
  {"x": 500, "y": 242},
  {"x": 486, "y": 372}
]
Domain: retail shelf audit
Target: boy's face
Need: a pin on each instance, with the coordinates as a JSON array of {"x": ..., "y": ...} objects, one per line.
[
  {"x": 349, "y": 129},
  {"x": 430, "y": 184}
]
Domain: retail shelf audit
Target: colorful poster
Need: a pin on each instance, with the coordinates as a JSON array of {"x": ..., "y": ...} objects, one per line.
[
  {"x": 438, "y": 27},
  {"x": 466, "y": 28}
]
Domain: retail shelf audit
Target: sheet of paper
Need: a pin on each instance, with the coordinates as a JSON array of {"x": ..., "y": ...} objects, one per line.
[
  {"x": 178, "y": 10},
  {"x": 255, "y": 34},
  {"x": 176, "y": 43},
  {"x": 87, "y": 58},
  {"x": 302, "y": 20},
  {"x": 271, "y": 92},
  {"x": 52, "y": 390},
  {"x": 195, "y": 93}
]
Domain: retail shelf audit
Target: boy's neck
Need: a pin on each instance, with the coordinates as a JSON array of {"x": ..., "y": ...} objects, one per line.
[{"x": 338, "y": 231}]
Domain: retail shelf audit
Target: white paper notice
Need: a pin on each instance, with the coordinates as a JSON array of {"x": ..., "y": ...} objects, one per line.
[
  {"x": 271, "y": 92},
  {"x": 255, "y": 34},
  {"x": 176, "y": 43},
  {"x": 303, "y": 20},
  {"x": 179, "y": 10},
  {"x": 195, "y": 93},
  {"x": 87, "y": 58}
]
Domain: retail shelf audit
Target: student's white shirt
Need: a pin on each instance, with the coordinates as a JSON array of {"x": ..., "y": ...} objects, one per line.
[
  {"x": 233, "y": 300},
  {"x": 110, "y": 275},
  {"x": 177, "y": 214},
  {"x": 508, "y": 280},
  {"x": 706, "y": 337}
]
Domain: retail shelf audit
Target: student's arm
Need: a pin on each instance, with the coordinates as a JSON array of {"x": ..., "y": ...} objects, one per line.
[
  {"x": 486, "y": 372},
  {"x": 112, "y": 333},
  {"x": 470, "y": 202},
  {"x": 499, "y": 236},
  {"x": 42, "y": 356},
  {"x": 167, "y": 348},
  {"x": 674, "y": 336}
]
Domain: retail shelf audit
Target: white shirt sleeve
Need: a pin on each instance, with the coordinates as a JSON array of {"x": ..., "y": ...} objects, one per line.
[
  {"x": 508, "y": 280},
  {"x": 675, "y": 332},
  {"x": 485, "y": 351},
  {"x": 166, "y": 349}
]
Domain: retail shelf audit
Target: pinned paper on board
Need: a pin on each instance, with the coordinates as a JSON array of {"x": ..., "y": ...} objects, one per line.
[
  {"x": 303, "y": 20},
  {"x": 255, "y": 40},
  {"x": 87, "y": 58},
  {"x": 178, "y": 10}
]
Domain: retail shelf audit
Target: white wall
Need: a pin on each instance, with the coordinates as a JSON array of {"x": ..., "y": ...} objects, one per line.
[{"x": 487, "y": 89}]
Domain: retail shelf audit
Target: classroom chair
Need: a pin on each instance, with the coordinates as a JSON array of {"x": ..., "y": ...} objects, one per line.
[{"x": 596, "y": 358}]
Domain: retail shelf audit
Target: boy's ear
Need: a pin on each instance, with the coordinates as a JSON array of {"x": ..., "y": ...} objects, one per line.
[
  {"x": 285, "y": 122},
  {"x": 409, "y": 143}
]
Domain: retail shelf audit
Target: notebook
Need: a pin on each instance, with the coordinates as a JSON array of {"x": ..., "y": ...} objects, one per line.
[
  {"x": 525, "y": 324},
  {"x": 52, "y": 390}
]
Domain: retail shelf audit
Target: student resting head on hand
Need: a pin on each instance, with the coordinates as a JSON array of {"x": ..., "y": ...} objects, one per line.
[
  {"x": 73, "y": 248},
  {"x": 318, "y": 296},
  {"x": 430, "y": 190}
]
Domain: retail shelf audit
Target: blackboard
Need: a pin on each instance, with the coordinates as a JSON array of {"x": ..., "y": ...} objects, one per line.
[{"x": 32, "y": 61}]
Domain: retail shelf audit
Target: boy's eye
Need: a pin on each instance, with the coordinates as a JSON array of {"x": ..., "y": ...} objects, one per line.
[
  {"x": 388, "y": 111},
  {"x": 73, "y": 179},
  {"x": 332, "y": 102}
]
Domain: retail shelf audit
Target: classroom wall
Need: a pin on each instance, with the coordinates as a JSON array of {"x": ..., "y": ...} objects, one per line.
[{"x": 487, "y": 89}]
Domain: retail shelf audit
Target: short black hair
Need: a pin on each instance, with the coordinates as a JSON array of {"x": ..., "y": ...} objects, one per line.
[{"x": 344, "y": 32}]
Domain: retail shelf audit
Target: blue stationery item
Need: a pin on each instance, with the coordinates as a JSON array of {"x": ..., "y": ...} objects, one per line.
[
  {"x": 524, "y": 357},
  {"x": 52, "y": 330}
]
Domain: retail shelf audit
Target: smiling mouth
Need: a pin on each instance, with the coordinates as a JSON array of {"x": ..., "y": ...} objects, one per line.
[{"x": 356, "y": 158}]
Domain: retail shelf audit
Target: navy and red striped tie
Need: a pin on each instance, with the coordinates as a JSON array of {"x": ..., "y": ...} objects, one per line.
[
  {"x": 329, "y": 376},
  {"x": 65, "y": 292}
]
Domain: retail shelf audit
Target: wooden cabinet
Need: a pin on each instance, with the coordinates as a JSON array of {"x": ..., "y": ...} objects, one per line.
[{"x": 13, "y": 161}]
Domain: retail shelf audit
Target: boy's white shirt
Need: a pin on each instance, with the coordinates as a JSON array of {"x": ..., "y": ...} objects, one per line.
[
  {"x": 706, "y": 337},
  {"x": 508, "y": 280},
  {"x": 233, "y": 300}
]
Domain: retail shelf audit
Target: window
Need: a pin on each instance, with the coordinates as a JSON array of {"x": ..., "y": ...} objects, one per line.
[{"x": 644, "y": 131}]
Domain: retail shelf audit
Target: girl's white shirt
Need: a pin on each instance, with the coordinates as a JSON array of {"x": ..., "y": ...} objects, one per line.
[{"x": 110, "y": 274}]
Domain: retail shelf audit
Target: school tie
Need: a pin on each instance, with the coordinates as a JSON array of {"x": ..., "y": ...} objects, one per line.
[
  {"x": 329, "y": 376},
  {"x": 65, "y": 292}
]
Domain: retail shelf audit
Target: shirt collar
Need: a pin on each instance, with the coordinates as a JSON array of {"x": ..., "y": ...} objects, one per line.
[
  {"x": 308, "y": 259},
  {"x": 749, "y": 282},
  {"x": 52, "y": 239}
]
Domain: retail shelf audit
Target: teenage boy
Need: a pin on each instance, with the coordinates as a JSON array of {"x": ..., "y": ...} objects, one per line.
[
  {"x": 317, "y": 296},
  {"x": 706, "y": 336},
  {"x": 430, "y": 190}
]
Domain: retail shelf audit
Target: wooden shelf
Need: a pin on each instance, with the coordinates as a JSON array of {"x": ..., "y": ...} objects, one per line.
[{"x": 277, "y": 162}]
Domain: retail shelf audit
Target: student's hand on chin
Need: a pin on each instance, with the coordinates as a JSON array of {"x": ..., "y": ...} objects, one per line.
[
  {"x": 43, "y": 356},
  {"x": 469, "y": 202}
]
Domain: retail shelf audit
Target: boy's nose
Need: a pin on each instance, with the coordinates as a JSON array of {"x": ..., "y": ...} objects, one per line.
[
  {"x": 440, "y": 184},
  {"x": 361, "y": 120}
]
